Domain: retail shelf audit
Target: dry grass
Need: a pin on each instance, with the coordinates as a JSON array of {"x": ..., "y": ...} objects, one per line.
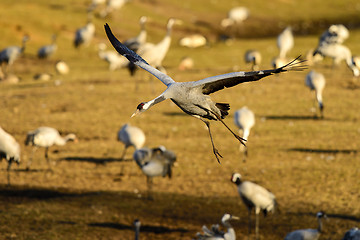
[{"x": 309, "y": 164}]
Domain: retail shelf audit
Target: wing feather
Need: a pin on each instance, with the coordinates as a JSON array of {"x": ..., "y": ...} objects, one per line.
[
  {"x": 135, "y": 58},
  {"x": 216, "y": 83}
]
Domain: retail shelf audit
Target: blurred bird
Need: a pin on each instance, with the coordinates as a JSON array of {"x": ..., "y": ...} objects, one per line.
[
  {"x": 307, "y": 234},
  {"x": 115, "y": 60},
  {"x": 137, "y": 225},
  {"x": 61, "y": 67},
  {"x": 10, "y": 54},
  {"x": 338, "y": 53},
  {"x": 193, "y": 41},
  {"x": 112, "y": 5},
  {"x": 9, "y": 150},
  {"x": 186, "y": 63},
  {"x": 192, "y": 97},
  {"x": 236, "y": 15},
  {"x": 352, "y": 234},
  {"x": 154, "y": 162},
  {"x": 316, "y": 81},
  {"x": 156, "y": 53},
  {"x": 136, "y": 42},
  {"x": 254, "y": 196},
  {"x": 336, "y": 33},
  {"x": 85, "y": 34},
  {"x": 278, "y": 62},
  {"x": 285, "y": 42},
  {"x": 254, "y": 57},
  {"x": 215, "y": 233},
  {"x": 131, "y": 136},
  {"x": 46, "y": 137},
  {"x": 48, "y": 50},
  {"x": 244, "y": 119}
]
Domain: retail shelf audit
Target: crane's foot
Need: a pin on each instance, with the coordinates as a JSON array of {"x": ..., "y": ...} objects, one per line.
[
  {"x": 241, "y": 140},
  {"x": 217, "y": 155}
]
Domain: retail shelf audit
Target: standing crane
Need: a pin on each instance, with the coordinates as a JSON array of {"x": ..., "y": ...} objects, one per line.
[
  {"x": 285, "y": 42},
  {"x": 215, "y": 233},
  {"x": 115, "y": 60},
  {"x": 10, "y": 54},
  {"x": 192, "y": 97},
  {"x": 136, "y": 42},
  {"x": 131, "y": 136},
  {"x": 9, "y": 150},
  {"x": 352, "y": 234},
  {"x": 48, "y": 50},
  {"x": 85, "y": 34},
  {"x": 46, "y": 137},
  {"x": 308, "y": 234},
  {"x": 155, "y": 53},
  {"x": 316, "y": 81},
  {"x": 244, "y": 119},
  {"x": 154, "y": 162},
  {"x": 254, "y": 196},
  {"x": 254, "y": 57},
  {"x": 137, "y": 225}
]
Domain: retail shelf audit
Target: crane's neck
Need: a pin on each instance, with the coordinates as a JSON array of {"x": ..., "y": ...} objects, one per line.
[
  {"x": 231, "y": 232},
  {"x": 320, "y": 227}
]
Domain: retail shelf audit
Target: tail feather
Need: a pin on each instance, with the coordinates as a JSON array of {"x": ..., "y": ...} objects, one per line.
[{"x": 224, "y": 108}]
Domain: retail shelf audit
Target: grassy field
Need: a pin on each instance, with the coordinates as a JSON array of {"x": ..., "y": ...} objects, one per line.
[{"x": 308, "y": 163}]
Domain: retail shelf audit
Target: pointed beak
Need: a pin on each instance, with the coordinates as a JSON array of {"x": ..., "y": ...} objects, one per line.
[
  {"x": 135, "y": 113},
  {"x": 235, "y": 217}
]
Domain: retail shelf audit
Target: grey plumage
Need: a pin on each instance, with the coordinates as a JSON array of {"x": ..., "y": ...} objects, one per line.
[
  {"x": 85, "y": 34},
  {"x": 254, "y": 196},
  {"x": 46, "y": 137},
  {"x": 316, "y": 81},
  {"x": 48, "y": 50},
  {"x": 192, "y": 97},
  {"x": 352, "y": 234},
  {"x": 9, "y": 150},
  {"x": 154, "y": 162},
  {"x": 131, "y": 136},
  {"x": 308, "y": 234},
  {"x": 136, "y": 42},
  {"x": 215, "y": 233},
  {"x": 10, "y": 54}
]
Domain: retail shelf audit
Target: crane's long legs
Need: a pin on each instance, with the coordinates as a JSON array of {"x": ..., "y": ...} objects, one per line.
[
  {"x": 31, "y": 157},
  {"x": 257, "y": 225},
  {"x": 149, "y": 186},
  {"x": 47, "y": 158},
  {"x": 241, "y": 140},
  {"x": 8, "y": 171},
  {"x": 123, "y": 153},
  {"x": 249, "y": 223},
  {"x": 215, "y": 151}
]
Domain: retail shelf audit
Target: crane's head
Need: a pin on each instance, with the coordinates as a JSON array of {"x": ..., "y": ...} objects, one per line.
[
  {"x": 321, "y": 214},
  {"x": 236, "y": 178},
  {"x": 228, "y": 217},
  {"x": 142, "y": 107}
]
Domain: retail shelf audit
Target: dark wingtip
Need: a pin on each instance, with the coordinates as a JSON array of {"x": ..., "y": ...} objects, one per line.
[{"x": 294, "y": 65}]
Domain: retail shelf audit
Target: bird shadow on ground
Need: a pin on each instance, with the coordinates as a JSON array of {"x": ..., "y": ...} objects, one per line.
[
  {"x": 329, "y": 151},
  {"x": 100, "y": 161},
  {"x": 289, "y": 117},
  {"x": 144, "y": 228}
]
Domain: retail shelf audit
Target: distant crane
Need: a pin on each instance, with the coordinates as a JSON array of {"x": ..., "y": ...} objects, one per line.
[
  {"x": 352, "y": 234},
  {"x": 9, "y": 150},
  {"x": 285, "y": 42},
  {"x": 316, "y": 81},
  {"x": 115, "y": 60},
  {"x": 137, "y": 225},
  {"x": 131, "y": 136},
  {"x": 254, "y": 196},
  {"x": 112, "y": 5},
  {"x": 254, "y": 57},
  {"x": 136, "y": 42},
  {"x": 236, "y": 15},
  {"x": 193, "y": 41},
  {"x": 307, "y": 234},
  {"x": 10, "y": 54},
  {"x": 192, "y": 97},
  {"x": 244, "y": 119},
  {"x": 62, "y": 67},
  {"x": 338, "y": 53},
  {"x": 48, "y": 50},
  {"x": 154, "y": 162},
  {"x": 336, "y": 33},
  {"x": 46, "y": 137},
  {"x": 155, "y": 54},
  {"x": 85, "y": 34},
  {"x": 215, "y": 233}
]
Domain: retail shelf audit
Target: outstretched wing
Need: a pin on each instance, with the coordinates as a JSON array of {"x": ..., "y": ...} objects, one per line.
[
  {"x": 216, "y": 83},
  {"x": 135, "y": 58}
]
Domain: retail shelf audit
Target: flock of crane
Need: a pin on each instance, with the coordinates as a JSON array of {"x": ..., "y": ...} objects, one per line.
[{"x": 192, "y": 98}]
